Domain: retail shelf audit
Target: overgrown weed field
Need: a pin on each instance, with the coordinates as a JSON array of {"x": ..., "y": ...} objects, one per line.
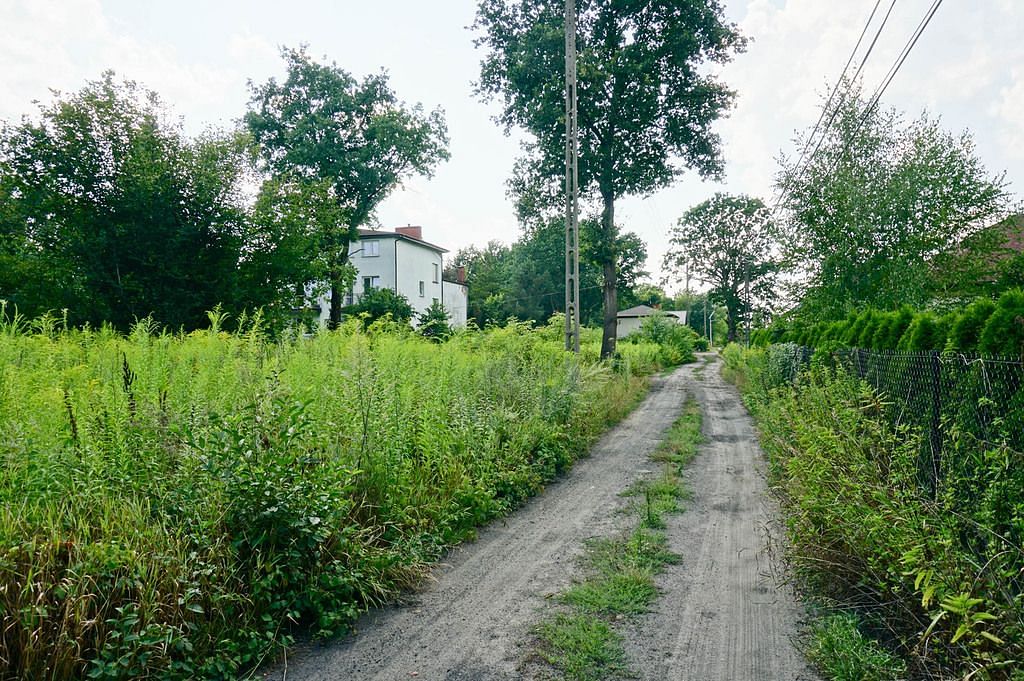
[{"x": 180, "y": 506}]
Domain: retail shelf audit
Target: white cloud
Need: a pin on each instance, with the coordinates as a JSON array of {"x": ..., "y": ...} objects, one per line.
[
  {"x": 1009, "y": 110},
  {"x": 61, "y": 44}
]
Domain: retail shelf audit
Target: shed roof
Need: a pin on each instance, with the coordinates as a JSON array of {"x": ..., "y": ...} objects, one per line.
[{"x": 638, "y": 311}]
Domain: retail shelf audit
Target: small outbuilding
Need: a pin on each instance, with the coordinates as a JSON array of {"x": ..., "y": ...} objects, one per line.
[{"x": 629, "y": 321}]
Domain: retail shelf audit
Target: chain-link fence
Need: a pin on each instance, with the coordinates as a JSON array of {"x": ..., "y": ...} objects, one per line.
[{"x": 944, "y": 395}]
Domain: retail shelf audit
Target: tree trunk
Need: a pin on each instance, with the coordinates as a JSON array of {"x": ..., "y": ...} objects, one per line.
[
  {"x": 335, "y": 318},
  {"x": 611, "y": 302},
  {"x": 732, "y": 317},
  {"x": 337, "y": 287}
]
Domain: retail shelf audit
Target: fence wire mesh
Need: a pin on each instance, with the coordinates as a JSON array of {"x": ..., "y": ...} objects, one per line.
[{"x": 944, "y": 395}]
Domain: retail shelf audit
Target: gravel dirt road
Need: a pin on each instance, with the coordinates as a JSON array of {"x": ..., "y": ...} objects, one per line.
[{"x": 720, "y": 615}]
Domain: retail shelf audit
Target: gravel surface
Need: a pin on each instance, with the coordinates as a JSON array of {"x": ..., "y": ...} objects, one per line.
[
  {"x": 725, "y": 611},
  {"x": 720, "y": 615}
]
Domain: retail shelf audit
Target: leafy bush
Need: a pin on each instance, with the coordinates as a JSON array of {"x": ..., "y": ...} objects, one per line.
[
  {"x": 676, "y": 342},
  {"x": 923, "y": 335},
  {"x": 939, "y": 570},
  {"x": 867, "y": 332},
  {"x": 967, "y": 329},
  {"x": 377, "y": 303},
  {"x": 433, "y": 322}
]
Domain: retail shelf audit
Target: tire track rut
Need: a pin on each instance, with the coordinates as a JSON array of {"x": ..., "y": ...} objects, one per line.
[{"x": 723, "y": 613}]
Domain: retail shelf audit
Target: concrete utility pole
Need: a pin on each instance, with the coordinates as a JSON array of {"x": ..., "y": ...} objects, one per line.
[
  {"x": 707, "y": 323},
  {"x": 746, "y": 293},
  {"x": 572, "y": 260}
]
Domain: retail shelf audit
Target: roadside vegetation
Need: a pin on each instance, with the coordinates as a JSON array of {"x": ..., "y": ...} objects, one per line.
[
  {"x": 983, "y": 326},
  {"x": 182, "y": 505},
  {"x": 921, "y": 583},
  {"x": 581, "y": 638}
]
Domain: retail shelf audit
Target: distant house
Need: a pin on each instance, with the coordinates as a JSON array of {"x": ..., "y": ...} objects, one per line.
[
  {"x": 629, "y": 321},
  {"x": 455, "y": 297},
  {"x": 403, "y": 262}
]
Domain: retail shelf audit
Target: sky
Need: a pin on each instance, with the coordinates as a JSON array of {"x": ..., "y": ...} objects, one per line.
[{"x": 967, "y": 69}]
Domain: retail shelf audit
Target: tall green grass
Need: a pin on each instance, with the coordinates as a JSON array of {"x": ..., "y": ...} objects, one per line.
[{"x": 179, "y": 506}]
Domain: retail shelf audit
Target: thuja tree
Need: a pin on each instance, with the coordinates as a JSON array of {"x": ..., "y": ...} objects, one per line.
[
  {"x": 321, "y": 123},
  {"x": 727, "y": 242},
  {"x": 645, "y": 105}
]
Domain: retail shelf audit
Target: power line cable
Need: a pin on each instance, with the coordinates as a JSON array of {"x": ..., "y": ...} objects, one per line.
[
  {"x": 876, "y": 96},
  {"x": 827, "y": 109},
  {"x": 871, "y": 47},
  {"x": 894, "y": 69}
]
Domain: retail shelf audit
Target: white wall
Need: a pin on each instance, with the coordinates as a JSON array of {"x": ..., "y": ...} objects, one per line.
[
  {"x": 417, "y": 264},
  {"x": 456, "y": 303},
  {"x": 401, "y": 265},
  {"x": 627, "y": 325}
]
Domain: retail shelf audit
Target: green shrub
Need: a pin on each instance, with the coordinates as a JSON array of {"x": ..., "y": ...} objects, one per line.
[
  {"x": 434, "y": 322},
  {"x": 380, "y": 302},
  {"x": 867, "y": 333},
  {"x": 843, "y": 653},
  {"x": 937, "y": 570},
  {"x": 967, "y": 329},
  {"x": 889, "y": 335},
  {"x": 676, "y": 342},
  {"x": 944, "y": 328},
  {"x": 851, "y": 335},
  {"x": 923, "y": 335},
  {"x": 1003, "y": 334}
]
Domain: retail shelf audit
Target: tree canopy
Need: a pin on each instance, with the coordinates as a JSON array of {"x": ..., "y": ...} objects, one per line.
[
  {"x": 322, "y": 124},
  {"x": 526, "y": 280},
  {"x": 645, "y": 107},
  {"x": 108, "y": 211},
  {"x": 879, "y": 200},
  {"x": 728, "y": 242}
]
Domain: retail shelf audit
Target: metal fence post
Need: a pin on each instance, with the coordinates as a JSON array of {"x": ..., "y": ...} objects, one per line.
[{"x": 936, "y": 419}]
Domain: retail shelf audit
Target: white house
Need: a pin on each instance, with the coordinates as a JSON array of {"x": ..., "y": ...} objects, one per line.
[
  {"x": 403, "y": 262},
  {"x": 630, "y": 320},
  {"x": 455, "y": 298}
]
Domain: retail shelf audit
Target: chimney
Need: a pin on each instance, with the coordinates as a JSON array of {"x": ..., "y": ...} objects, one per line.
[
  {"x": 460, "y": 274},
  {"x": 414, "y": 231}
]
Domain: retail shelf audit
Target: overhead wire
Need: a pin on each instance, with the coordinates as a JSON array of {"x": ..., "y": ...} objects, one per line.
[
  {"x": 828, "y": 109},
  {"x": 876, "y": 96}
]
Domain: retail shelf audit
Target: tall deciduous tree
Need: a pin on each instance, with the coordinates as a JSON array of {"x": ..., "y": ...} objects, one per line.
[
  {"x": 323, "y": 124},
  {"x": 728, "y": 241},
  {"x": 645, "y": 106},
  {"x": 108, "y": 211},
  {"x": 881, "y": 197},
  {"x": 295, "y": 223},
  {"x": 526, "y": 280}
]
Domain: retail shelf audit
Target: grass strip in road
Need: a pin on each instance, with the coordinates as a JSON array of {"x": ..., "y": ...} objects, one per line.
[
  {"x": 583, "y": 647},
  {"x": 581, "y": 640}
]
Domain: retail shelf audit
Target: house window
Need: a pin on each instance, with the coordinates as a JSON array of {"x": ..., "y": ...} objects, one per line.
[
  {"x": 371, "y": 249},
  {"x": 370, "y": 282},
  {"x": 436, "y": 268},
  {"x": 423, "y": 289}
]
